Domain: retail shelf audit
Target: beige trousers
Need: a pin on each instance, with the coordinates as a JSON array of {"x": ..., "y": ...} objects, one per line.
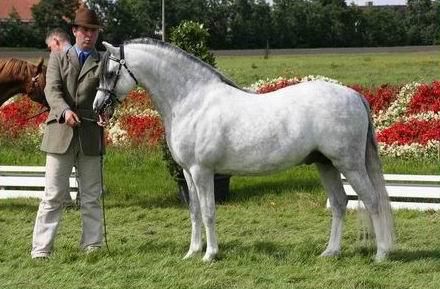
[{"x": 58, "y": 170}]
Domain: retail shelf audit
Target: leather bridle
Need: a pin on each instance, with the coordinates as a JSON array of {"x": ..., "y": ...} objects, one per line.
[
  {"x": 35, "y": 91},
  {"x": 111, "y": 98}
]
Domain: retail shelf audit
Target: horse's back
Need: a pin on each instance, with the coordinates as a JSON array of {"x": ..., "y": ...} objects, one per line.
[
  {"x": 309, "y": 105},
  {"x": 252, "y": 133}
]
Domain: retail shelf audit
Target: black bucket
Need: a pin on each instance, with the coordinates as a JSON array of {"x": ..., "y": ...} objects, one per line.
[{"x": 221, "y": 189}]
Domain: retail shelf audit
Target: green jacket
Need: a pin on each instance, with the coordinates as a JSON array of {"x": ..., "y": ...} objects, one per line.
[{"x": 68, "y": 86}]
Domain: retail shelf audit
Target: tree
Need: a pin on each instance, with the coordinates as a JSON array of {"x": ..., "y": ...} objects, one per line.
[
  {"x": 13, "y": 27},
  {"x": 383, "y": 27},
  {"x": 250, "y": 24},
  {"x": 49, "y": 14},
  {"x": 420, "y": 22},
  {"x": 337, "y": 3},
  {"x": 185, "y": 10},
  {"x": 242, "y": 23},
  {"x": 436, "y": 11},
  {"x": 337, "y": 24},
  {"x": 262, "y": 19},
  {"x": 127, "y": 19},
  {"x": 218, "y": 18},
  {"x": 289, "y": 23},
  {"x": 331, "y": 23}
]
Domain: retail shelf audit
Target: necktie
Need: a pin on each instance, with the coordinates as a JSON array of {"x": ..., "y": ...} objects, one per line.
[{"x": 82, "y": 58}]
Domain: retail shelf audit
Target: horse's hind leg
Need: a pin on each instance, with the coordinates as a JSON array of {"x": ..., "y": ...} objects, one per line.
[
  {"x": 196, "y": 218},
  {"x": 360, "y": 181},
  {"x": 331, "y": 180}
]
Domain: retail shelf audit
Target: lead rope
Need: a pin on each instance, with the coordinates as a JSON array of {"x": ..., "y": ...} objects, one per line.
[
  {"x": 101, "y": 152},
  {"x": 103, "y": 206},
  {"x": 37, "y": 114},
  {"x": 101, "y": 165}
]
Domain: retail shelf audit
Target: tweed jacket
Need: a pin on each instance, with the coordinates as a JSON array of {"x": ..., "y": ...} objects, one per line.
[{"x": 70, "y": 86}]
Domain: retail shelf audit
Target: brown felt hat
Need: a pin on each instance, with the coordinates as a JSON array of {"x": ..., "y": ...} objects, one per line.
[{"x": 87, "y": 18}]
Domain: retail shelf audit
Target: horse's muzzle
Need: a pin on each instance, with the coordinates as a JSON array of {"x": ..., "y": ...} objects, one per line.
[{"x": 104, "y": 108}]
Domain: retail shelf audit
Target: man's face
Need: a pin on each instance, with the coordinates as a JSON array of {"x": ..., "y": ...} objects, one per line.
[
  {"x": 85, "y": 38},
  {"x": 54, "y": 45}
]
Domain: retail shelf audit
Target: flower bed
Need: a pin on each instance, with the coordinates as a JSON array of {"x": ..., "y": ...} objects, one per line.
[
  {"x": 407, "y": 118},
  {"x": 135, "y": 122},
  {"x": 19, "y": 118}
]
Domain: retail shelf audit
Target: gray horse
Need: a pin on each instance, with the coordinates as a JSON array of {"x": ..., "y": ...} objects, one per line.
[{"x": 214, "y": 127}]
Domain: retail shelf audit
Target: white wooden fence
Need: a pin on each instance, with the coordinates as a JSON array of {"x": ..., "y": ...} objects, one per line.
[
  {"x": 421, "y": 192},
  {"x": 417, "y": 192},
  {"x": 28, "y": 182}
]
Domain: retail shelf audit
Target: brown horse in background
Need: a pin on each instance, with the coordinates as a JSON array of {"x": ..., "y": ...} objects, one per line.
[
  {"x": 18, "y": 76},
  {"x": 21, "y": 77}
]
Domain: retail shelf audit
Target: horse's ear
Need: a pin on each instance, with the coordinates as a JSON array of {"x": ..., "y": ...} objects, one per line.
[
  {"x": 113, "y": 50},
  {"x": 40, "y": 65}
]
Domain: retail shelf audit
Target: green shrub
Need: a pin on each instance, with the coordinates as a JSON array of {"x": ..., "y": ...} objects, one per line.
[{"x": 192, "y": 37}]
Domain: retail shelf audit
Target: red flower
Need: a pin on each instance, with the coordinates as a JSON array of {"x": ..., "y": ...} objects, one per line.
[
  {"x": 380, "y": 98},
  {"x": 139, "y": 99},
  {"x": 17, "y": 117},
  {"x": 141, "y": 129},
  {"x": 426, "y": 98},
  {"x": 415, "y": 131},
  {"x": 275, "y": 86}
]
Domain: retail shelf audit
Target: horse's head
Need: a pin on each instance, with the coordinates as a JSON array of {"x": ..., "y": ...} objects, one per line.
[
  {"x": 18, "y": 76},
  {"x": 115, "y": 82},
  {"x": 35, "y": 85}
]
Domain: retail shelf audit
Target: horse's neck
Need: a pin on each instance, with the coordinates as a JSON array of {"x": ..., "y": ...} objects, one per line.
[
  {"x": 9, "y": 89},
  {"x": 171, "y": 78},
  {"x": 14, "y": 75}
]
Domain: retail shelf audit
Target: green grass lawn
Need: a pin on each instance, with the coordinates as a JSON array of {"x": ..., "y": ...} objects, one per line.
[
  {"x": 367, "y": 69},
  {"x": 271, "y": 230}
]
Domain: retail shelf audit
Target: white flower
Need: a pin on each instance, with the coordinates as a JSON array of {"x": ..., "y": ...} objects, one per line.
[
  {"x": 397, "y": 109},
  {"x": 410, "y": 151},
  {"x": 260, "y": 83},
  {"x": 319, "y": 77},
  {"x": 118, "y": 136}
]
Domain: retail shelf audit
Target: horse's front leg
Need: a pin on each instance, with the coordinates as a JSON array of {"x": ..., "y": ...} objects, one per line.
[
  {"x": 204, "y": 183},
  {"x": 196, "y": 220}
]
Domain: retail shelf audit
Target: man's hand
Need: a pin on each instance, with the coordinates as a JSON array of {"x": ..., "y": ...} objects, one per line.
[
  {"x": 71, "y": 118},
  {"x": 103, "y": 121}
]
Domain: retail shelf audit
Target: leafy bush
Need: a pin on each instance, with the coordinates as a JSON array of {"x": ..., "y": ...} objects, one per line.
[
  {"x": 15, "y": 33},
  {"x": 192, "y": 37}
]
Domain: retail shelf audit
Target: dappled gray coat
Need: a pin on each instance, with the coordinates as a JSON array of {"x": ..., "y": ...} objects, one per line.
[{"x": 68, "y": 86}]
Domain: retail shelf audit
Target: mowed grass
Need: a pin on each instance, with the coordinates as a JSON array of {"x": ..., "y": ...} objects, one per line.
[
  {"x": 271, "y": 230},
  {"x": 367, "y": 69}
]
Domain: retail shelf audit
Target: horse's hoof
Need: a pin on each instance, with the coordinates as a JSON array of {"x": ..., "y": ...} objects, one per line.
[
  {"x": 380, "y": 257},
  {"x": 190, "y": 254},
  {"x": 330, "y": 253},
  {"x": 208, "y": 258}
]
